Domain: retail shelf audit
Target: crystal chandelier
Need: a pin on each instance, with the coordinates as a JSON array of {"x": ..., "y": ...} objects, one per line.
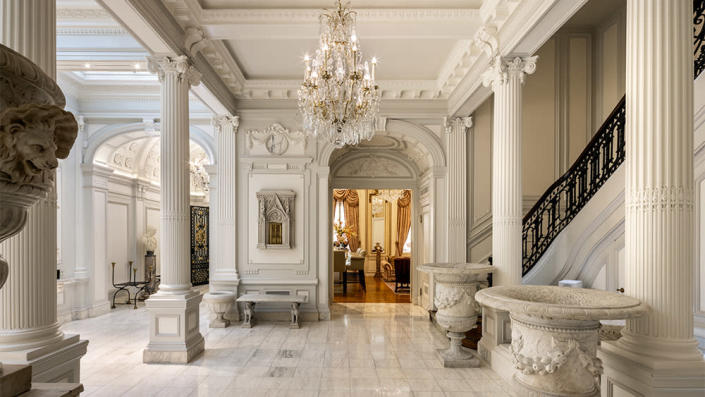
[{"x": 338, "y": 97}]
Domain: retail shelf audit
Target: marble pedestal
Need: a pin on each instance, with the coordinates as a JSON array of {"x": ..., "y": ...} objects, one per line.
[
  {"x": 174, "y": 334},
  {"x": 555, "y": 335},
  {"x": 455, "y": 287}
]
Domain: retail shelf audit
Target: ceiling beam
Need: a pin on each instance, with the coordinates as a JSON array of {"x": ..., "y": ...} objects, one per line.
[{"x": 151, "y": 23}]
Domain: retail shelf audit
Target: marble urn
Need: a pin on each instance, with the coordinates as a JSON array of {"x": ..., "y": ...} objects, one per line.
[
  {"x": 219, "y": 303},
  {"x": 555, "y": 333},
  {"x": 455, "y": 288}
]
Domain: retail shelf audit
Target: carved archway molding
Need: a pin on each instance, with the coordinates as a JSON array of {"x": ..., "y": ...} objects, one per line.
[
  {"x": 400, "y": 129},
  {"x": 106, "y": 133}
]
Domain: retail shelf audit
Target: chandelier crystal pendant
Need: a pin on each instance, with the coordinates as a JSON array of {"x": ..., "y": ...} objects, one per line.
[{"x": 338, "y": 98}]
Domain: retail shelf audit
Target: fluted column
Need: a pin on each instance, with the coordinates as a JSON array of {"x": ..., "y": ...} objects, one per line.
[
  {"x": 659, "y": 234},
  {"x": 29, "y": 330},
  {"x": 224, "y": 274},
  {"x": 506, "y": 77},
  {"x": 176, "y": 76},
  {"x": 174, "y": 334},
  {"x": 29, "y": 27},
  {"x": 456, "y": 147}
]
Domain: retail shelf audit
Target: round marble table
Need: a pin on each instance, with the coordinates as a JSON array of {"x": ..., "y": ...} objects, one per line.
[
  {"x": 555, "y": 334},
  {"x": 456, "y": 284}
]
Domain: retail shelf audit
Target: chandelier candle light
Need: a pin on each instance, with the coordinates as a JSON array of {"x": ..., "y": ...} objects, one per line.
[{"x": 338, "y": 97}]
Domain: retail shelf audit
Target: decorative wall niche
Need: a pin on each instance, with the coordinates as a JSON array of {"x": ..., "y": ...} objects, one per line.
[{"x": 276, "y": 218}]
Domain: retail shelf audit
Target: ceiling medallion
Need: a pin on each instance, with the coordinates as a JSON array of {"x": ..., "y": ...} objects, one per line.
[{"x": 338, "y": 97}]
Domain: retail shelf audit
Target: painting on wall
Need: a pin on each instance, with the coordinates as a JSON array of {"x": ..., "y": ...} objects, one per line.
[{"x": 199, "y": 245}]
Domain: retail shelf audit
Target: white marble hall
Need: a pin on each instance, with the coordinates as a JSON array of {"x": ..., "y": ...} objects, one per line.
[{"x": 352, "y": 198}]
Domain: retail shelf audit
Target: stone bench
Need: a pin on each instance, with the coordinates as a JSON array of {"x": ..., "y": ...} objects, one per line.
[{"x": 251, "y": 299}]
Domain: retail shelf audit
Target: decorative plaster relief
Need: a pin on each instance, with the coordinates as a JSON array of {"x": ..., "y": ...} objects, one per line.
[
  {"x": 276, "y": 138},
  {"x": 275, "y": 218},
  {"x": 373, "y": 167}
]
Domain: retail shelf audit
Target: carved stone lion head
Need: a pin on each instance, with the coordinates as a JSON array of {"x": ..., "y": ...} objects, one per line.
[{"x": 32, "y": 137}]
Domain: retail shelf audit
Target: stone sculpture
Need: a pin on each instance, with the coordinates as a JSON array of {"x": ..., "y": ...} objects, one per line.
[{"x": 35, "y": 131}]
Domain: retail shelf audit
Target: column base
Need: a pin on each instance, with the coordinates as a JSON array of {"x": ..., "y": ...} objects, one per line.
[
  {"x": 630, "y": 374},
  {"x": 174, "y": 334},
  {"x": 59, "y": 361}
]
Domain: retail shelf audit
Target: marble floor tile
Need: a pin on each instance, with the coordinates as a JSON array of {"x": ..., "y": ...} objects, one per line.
[{"x": 365, "y": 350}]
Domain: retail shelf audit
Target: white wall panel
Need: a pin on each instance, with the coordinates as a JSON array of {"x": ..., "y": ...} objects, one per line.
[{"x": 117, "y": 250}]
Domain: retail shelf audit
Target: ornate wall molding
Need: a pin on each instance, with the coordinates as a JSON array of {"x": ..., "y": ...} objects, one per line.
[{"x": 276, "y": 138}]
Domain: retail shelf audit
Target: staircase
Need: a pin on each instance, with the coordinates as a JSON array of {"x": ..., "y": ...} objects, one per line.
[{"x": 600, "y": 159}]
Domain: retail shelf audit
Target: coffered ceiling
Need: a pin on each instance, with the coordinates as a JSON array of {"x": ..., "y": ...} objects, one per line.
[
  {"x": 250, "y": 51},
  {"x": 419, "y": 43}
]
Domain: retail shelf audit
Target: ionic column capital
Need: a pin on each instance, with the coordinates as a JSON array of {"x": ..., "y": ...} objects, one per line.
[
  {"x": 177, "y": 65},
  {"x": 222, "y": 121},
  {"x": 503, "y": 70}
]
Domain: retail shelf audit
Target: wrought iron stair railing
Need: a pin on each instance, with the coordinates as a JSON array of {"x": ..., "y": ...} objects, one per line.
[
  {"x": 595, "y": 165},
  {"x": 568, "y": 195}
]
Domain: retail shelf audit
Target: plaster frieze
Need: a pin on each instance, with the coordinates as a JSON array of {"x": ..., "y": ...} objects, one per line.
[{"x": 176, "y": 65}]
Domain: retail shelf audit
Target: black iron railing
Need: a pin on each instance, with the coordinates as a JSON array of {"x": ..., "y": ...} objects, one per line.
[
  {"x": 699, "y": 35},
  {"x": 602, "y": 156},
  {"x": 569, "y": 194}
]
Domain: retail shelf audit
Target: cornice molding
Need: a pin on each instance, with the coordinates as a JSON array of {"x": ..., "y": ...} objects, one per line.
[
  {"x": 245, "y": 16},
  {"x": 90, "y": 31},
  {"x": 81, "y": 13}
]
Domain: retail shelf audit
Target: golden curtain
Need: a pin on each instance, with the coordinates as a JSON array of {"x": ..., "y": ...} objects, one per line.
[
  {"x": 403, "y": 220},
  {"x": 351, "y": 207}
]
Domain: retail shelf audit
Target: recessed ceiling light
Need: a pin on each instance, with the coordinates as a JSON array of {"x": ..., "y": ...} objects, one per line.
[
  {"x": 137, "y": 66},
  {"x": 88, "y": 65}
]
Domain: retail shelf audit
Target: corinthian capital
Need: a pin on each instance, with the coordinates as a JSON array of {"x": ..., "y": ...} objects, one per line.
[
  {"x": 503, "y": 70},
  {"x": 178, "y": 65},
  {"x": 223, "y": 121},
  {"x": 457, "y": 124}
]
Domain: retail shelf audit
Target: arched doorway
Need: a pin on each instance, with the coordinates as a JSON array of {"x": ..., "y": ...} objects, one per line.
[{"x": 403, "y": 156}]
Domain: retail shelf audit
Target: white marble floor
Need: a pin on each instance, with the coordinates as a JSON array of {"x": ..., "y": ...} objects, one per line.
[{"x": 366, "y": 350}]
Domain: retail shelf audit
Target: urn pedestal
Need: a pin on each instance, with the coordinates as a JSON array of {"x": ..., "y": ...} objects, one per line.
[
  {"x": 455, "y": 288},
  {"x": 555, "y": 332}
]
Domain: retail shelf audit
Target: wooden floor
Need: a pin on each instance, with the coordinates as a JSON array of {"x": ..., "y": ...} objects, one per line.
[{"x": 377, "y": 292}]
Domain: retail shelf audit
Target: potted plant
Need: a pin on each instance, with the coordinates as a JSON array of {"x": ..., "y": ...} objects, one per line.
[{"x": 149, "y": 239}]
